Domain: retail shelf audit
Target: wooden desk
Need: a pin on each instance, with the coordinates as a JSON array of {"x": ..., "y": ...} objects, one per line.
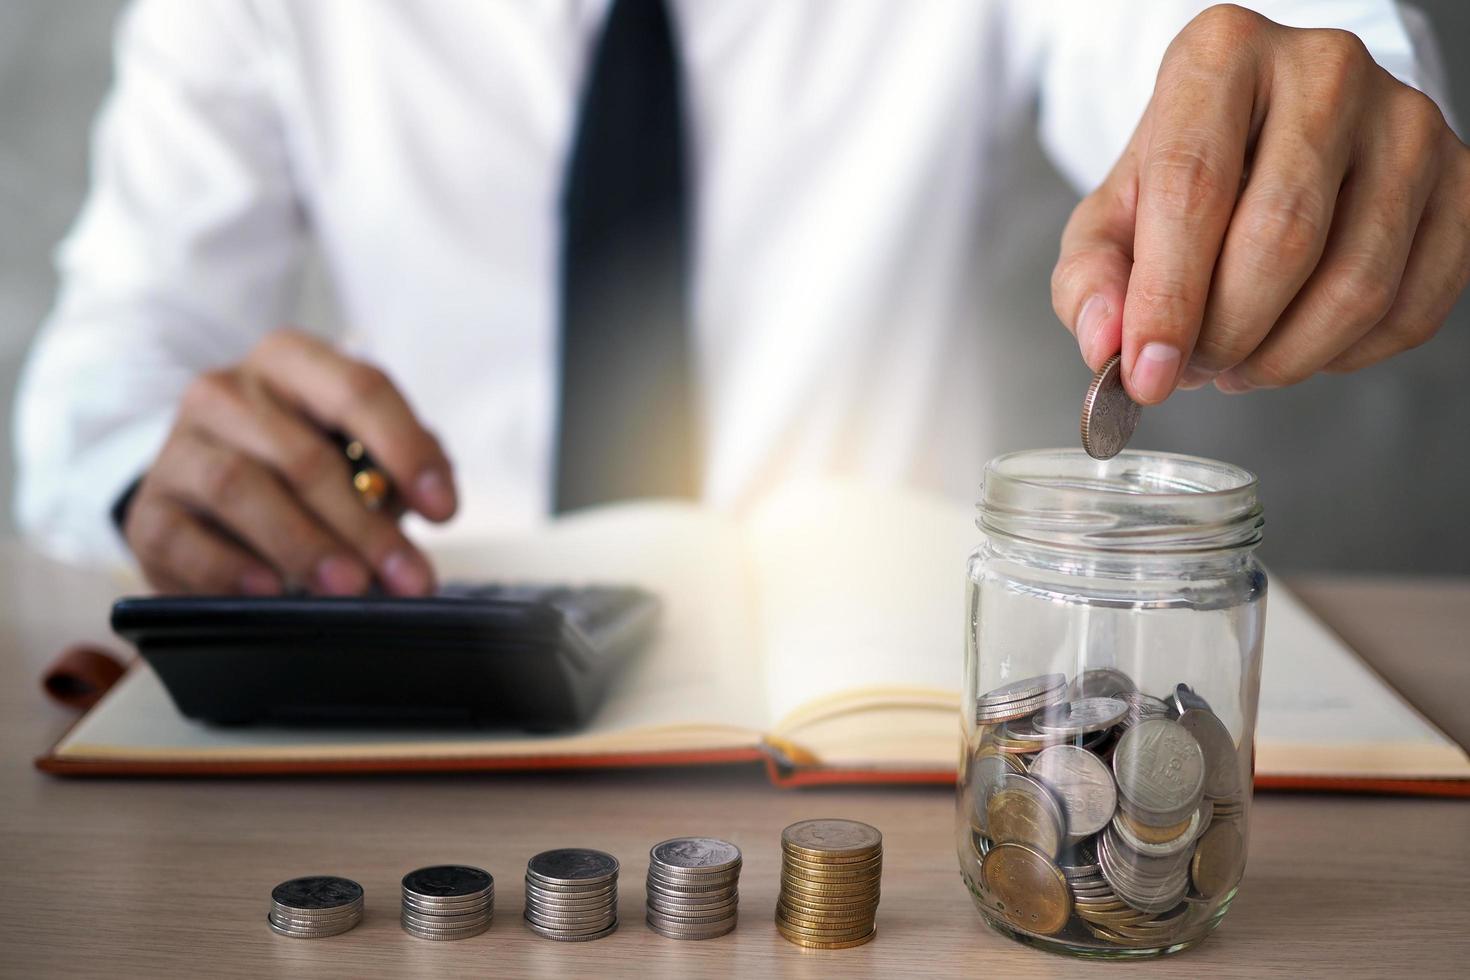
[{"x": 150, "y": 878}]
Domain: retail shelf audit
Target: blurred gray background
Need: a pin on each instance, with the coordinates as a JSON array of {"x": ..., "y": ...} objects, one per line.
[{"x": 1364, "y": 473}]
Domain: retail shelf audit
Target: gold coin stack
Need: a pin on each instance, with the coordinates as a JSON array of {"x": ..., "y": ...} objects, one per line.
[{"x": 830, "y": 876}]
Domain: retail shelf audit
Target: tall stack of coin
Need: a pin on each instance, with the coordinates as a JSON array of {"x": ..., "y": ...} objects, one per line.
[
  {"x": 447, "y": 902},
  {"x": 830, "y": 881},
  {"x": 572, "y": 894},
  {"x": 1102, "y": 813},
  {"x": 315, "y": 906},
  {"x": 693, "y": 887}
]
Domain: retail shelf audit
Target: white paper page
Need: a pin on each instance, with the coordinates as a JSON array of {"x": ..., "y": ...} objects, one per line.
[
  {"x": 701, "y": 671},
  {"x": 1324, "y": 712},
  {"x": 860, "y": 588}
]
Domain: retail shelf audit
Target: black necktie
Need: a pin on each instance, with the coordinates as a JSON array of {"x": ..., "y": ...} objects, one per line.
[{"x": 626, "y": 421}]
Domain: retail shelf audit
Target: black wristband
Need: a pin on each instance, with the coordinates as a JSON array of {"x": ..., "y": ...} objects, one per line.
[{"x": 124, "y": 501}]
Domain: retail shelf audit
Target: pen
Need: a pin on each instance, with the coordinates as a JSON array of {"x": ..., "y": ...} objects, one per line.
[{"x": 370, "y": 482}]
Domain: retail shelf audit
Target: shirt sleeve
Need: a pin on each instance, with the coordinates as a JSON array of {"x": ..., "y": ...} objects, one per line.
[
  {"x": 1099, "y": 59},
  {"x": 183, "y": 255}
]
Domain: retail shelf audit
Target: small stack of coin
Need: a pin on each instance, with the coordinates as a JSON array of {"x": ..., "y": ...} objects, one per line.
[
  {"x": 1100, "y": 682},
  {"x": 315, "y": 906},
  {"x": 572, "y": 894},
  {"x": 693, "y": 887},
  {"x": 1020, "y": 737},
  {"x": 1112, "y": 920},
  {"x": 1141, "y": 707},
  {"x": 830, "y": 881},
  {"x": 447, "y": 901},
  {"x": 1020, "y": 699}
]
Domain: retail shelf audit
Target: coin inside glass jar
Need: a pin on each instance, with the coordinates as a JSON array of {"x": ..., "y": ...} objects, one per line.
[
  {"x": 987, "y": 775},
  {"x": 1079, "y": 717},
  {"x": 1154, "y": 835},
  {"x": 1025, "y": 812},
  {"x": 1217, "y": 860},
  {"x": 1100, "y": 682},
  {"x": 1160, "y": 770},
  {"x": 1028, "y": 889},
  {"x": 1221, "y": 775},
  {"x": 1082, "y": 782}
]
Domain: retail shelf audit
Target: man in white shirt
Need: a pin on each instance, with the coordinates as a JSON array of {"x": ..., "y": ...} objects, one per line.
[{"x": 1266, "y": 202}]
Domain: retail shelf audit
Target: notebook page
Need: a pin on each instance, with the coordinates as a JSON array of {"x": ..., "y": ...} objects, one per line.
[
  {"x": 859, "y": 590},
  {"x": 1323, "y": 712}
]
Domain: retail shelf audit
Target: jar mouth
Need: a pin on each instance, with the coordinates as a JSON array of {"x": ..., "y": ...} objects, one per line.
[{"x": 1138, "y": 501}]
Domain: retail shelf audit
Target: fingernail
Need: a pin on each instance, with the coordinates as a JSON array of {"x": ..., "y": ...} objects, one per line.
[
  {"x": 1232, "y": 383},
  {"x": 1154, "y": 371},
  {"x": 260, "y": 581},
  {"x": 434, "y": 496},
  {"x": 336, "y": 575},
  {"x": 406, "y": 573},
  {"x": 1196, "y": 377},
  {"x": 1089, "y": 322}
]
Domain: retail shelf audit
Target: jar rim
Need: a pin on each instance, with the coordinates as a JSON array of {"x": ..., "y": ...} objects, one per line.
[{"x": 1140, "y": 501}]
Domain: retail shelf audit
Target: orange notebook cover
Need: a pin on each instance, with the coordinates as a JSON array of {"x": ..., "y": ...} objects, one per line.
[{"x": 818, "y": 636}]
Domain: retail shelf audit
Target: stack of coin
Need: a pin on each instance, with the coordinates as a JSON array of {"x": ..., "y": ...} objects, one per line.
[
  {"x": 1020, "y": 699},
  {"x": 447, "y": 901},
  {"x": 693, "y": 887},
  {"x": 830, "y": 878},
  {"x": 1100, "y": 682},
  {"x": 1020, "y": 736},
  {"x": 572, "y": 894},
  {"x": 315, "y": 906},
  {"x": 1098, "y": 812},
  {"x": 1142, "y": 707}
]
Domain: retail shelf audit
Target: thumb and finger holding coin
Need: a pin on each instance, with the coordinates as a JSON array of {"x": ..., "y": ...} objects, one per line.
[{"x": 1249, "y": 239}]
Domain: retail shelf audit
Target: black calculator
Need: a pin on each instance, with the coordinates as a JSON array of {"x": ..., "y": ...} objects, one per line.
[{"x": 534, "y": 658}]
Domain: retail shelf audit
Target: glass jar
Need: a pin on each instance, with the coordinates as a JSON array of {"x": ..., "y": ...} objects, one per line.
[{"x": 1114, "y": 613}]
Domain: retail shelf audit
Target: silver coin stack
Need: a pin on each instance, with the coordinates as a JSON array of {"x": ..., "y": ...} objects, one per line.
[
  {"x": 572, "y": 894},
  {"x": 1141, "y": 707},
  {"x": 447, "y": 902},
  {"x": 693, "y": 887},
  {"x": 1019, "y": 699},
  {"x": 315, "y": 906}
]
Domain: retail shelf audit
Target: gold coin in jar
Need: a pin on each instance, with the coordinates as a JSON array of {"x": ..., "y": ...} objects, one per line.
[
  {"x": 1028, "y": 889},
  {"x": 1019, "y": 818},
  {"x": 1154, "y": 835},
  {"x": 1217, "y": 860}
]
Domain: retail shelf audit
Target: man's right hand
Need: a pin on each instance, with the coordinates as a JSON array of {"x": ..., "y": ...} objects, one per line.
[{"x": 249, "y": 494}]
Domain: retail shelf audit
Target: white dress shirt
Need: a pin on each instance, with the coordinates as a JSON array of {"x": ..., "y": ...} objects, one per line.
[{"x": 852, "y": 170}]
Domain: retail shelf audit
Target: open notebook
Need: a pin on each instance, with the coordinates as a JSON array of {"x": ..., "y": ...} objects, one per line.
[{"x": 823, "y": 634}]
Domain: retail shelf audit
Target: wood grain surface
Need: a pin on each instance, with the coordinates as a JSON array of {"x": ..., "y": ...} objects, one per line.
[{"x": 112, "y": 878}]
